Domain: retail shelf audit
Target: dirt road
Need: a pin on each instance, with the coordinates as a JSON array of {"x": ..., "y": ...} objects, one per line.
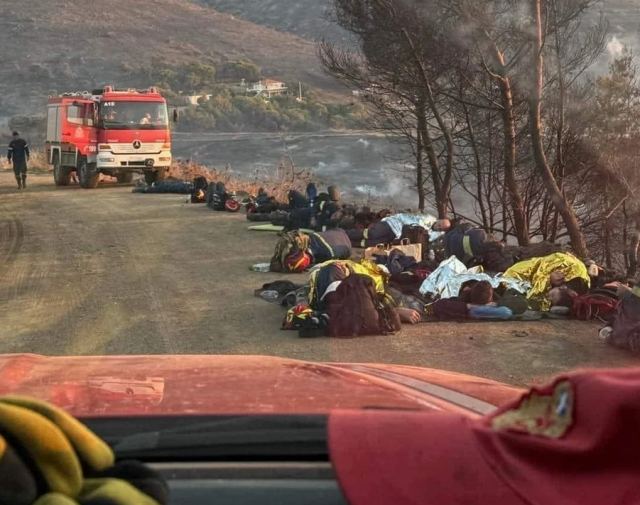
[{"x": 106, "y": 271}]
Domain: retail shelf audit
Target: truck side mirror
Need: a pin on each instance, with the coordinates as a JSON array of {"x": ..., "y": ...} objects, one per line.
[{"x": 175, "y": 115}]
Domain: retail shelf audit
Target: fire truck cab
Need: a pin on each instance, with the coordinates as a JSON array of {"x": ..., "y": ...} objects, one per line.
[{"x": 114, "y": 132}]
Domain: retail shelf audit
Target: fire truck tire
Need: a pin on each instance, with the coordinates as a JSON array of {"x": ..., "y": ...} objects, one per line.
[
  {"x": 61, "y": 175},
  {"x": 87, "y": 174},
  {"x": 125, "y": 178}
]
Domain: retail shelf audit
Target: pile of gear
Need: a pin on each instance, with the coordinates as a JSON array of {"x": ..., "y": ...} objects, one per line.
[{"x": 214, "y": 194}]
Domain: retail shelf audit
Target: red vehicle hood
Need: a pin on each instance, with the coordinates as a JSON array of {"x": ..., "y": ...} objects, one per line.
[{"x": 95, "y": 386}]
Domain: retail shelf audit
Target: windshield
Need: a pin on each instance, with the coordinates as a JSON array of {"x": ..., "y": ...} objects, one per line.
[
  {"x": 279, "y": 207},
  {"x": 119, "y": 115}
]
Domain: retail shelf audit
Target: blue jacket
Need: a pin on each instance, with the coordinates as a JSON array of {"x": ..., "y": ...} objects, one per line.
[
  {"x": 18, "y": 152},
  {"x": 465, "y": 242}
]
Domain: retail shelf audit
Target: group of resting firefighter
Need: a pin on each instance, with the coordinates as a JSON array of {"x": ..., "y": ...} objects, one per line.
[
  {"x": 321, "y": 219},
  {"x": 319, "y": 229},
  {"x": 18, "y": 154}
]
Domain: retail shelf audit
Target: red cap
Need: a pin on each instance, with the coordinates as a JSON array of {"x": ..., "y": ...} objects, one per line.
[{"x": 576, "y": 441}]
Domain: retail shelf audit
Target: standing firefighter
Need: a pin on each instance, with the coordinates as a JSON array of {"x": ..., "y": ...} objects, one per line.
[{"x": 19, "y": 154}]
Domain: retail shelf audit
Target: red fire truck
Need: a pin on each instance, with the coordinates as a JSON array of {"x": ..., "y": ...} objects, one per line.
[{"x": 109, "y": 131}]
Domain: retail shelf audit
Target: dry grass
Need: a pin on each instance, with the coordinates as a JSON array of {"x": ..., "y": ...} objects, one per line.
[
  {"x": 284, "y": 178},
  {"x": 37, "y": 162}
]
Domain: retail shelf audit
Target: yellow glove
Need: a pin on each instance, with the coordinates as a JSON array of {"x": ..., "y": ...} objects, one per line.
[{"x": 45, "y": 453}]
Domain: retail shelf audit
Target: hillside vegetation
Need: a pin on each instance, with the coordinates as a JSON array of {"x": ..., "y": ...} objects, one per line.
[
  {"x": 306, "y": 18},
  {"x": 59, "y": 45}
]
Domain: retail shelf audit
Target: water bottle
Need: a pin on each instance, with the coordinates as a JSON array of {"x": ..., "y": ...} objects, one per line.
[
  {"x": 261, "y": 267},
  {"x": 270, "y": 295}
]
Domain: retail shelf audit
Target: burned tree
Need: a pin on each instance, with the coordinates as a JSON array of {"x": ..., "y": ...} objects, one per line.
[{"x": 400, "y": 71}]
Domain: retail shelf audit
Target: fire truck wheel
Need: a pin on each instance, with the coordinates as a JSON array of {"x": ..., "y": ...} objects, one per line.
[
  {"x": 87, "y": 174},
  {"x": 61, "y": 175},
  {"x": 125, "y": 178}
]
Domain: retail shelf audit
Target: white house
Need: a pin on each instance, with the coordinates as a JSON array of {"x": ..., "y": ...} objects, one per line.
[
  {"x": 193, "y": 99},
  {"x": 267, "y": 88}
]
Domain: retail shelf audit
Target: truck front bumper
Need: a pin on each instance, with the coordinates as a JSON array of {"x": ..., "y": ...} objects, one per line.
[{"x": 142, "y": 161}]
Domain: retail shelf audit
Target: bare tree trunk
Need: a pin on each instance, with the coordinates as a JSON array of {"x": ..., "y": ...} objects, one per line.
[
  {"x": 422, "y": 126},
  {"x": 509, "y": 130},
  {"x": 607, "y": 244},
  {"x": 443, "y": 198},
  {"x": 625, "y": 235},
  {"x": 561, "y": 121},
  {"x": 434, "y": 164},
  {"x": 490, "y": 174},
  {"x": 544, "y": 219},
  {"x": 480, "y": 193},
  {"x": 535, "y": 123},
  {"x": 505, "y": 214}
]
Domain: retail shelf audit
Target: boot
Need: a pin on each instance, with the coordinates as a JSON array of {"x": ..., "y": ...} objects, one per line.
[
  {"x": 19, "y": 181},
  {"x": 24, "y": 181}
]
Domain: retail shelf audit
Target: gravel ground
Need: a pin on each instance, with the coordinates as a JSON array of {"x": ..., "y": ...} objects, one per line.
[{"x": 106, "y": 271}]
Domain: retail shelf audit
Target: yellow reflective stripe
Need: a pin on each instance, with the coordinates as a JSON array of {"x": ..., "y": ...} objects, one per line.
[
  {"x": 365, "y": 237},
  {"x": 466, "y": 246}
]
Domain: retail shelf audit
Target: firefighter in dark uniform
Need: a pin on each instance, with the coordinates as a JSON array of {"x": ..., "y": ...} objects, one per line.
[{"x": 19, "y": 154}]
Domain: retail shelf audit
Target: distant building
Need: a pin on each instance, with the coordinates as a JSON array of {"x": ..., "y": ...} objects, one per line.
[
  {"x": 267, "y": 88},
  {"x": 195, "y": 99}
]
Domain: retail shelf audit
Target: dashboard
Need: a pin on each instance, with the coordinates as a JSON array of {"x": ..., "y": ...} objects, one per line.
[{"x": 249, "y": 483}]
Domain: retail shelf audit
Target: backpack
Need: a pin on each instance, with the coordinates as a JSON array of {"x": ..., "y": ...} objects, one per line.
[
  {"x": 594, "y": 305},
  {"x": 288, "y": 242},
  {"x": 211, "y": 189},
  {"x": 355, "y": 309},
  {"x": 397, "y": 261},
  {"x": 625, "y": 332},
  {"x": 216, "y": 196}
]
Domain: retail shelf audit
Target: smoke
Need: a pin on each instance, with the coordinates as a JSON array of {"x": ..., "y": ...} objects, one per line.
[{"x": 615, "y": 48}]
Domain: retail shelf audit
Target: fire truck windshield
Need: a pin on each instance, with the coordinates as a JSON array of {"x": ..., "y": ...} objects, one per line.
[{"x": 121, "y": 115}]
